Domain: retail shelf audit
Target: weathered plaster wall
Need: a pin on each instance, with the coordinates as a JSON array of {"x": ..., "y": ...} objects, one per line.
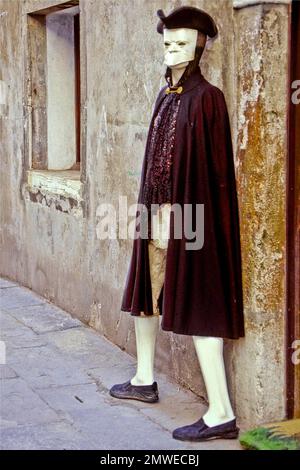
[
  {"x": 262, "y": 71},
  {"x": 59, "y": 255}
]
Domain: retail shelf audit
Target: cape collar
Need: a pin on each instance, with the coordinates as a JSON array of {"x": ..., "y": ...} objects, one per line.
[{"x": 193, "y": 80}]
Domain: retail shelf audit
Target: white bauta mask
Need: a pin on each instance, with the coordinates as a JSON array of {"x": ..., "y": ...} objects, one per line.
[{"x": 180, "y": 45}]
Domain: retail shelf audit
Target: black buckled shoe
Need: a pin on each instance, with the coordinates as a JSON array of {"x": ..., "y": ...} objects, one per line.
[
  {"x": 199, "y": 431},
  {"x": 146, "y": 393}
]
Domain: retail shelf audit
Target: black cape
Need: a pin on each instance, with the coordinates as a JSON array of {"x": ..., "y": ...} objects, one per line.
[{"x": 202, "y": 292}]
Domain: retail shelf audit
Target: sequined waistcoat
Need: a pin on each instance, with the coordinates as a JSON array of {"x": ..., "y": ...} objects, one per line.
[{"x": 158, "y": 182}]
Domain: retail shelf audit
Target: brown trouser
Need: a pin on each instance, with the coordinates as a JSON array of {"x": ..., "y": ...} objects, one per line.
[{"x": 157, "y": 249}]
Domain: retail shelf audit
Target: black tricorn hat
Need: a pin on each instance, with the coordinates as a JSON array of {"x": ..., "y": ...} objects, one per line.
[{"x": 187, "y": 17}]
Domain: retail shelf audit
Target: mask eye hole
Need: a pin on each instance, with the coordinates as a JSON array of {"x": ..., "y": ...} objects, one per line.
[
  {"x": 167, "y": 44},
  {"x": 181, "y": 43}
]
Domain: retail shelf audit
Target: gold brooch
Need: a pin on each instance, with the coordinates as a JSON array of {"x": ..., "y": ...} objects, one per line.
[{"x": 177, "y": 90}]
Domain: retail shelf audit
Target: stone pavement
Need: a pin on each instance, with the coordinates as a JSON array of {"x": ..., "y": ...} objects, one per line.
[{"x": 54, "y": 386}]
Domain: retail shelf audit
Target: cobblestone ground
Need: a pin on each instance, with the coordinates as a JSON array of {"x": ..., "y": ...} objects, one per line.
[{"x": 55, "y": 382}]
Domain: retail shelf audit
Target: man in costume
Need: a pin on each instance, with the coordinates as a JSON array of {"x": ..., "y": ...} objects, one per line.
[{"x": 198, "y": 291}]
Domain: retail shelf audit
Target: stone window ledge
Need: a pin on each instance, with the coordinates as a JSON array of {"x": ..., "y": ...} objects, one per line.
[
  {"x": 60, "y": 189},
  {"x": 64, "y": 182},
  {"x": 248, "y": 3}
]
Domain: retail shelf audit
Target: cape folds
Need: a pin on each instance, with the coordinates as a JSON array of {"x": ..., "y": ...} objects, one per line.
[{"x": 202, "y": 292}]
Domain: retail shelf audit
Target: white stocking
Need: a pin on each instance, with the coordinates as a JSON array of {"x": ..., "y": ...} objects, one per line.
[
  {"x": 146, "y": 329},
  {"x": 210, "y": 355}
]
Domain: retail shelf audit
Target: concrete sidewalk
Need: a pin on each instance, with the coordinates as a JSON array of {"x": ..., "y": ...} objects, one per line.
[{"x": 54, "y": 386}]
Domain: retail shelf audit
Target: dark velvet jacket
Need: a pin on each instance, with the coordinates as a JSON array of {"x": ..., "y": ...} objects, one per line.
[{"x": 202, "y": 292}]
